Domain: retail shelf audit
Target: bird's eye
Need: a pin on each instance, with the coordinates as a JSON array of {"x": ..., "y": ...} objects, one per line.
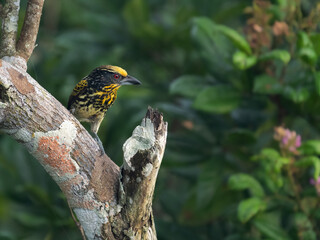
[{"x": 116, "y": 76}]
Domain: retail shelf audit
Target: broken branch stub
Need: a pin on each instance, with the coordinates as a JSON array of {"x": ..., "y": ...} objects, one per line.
[{"x": 143, "y": 153}]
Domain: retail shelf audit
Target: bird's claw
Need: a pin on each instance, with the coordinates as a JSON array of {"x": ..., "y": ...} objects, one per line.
[{"x": 102, "y": 152}]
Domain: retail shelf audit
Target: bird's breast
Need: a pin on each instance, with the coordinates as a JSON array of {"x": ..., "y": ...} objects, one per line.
[
  {"x": 94, "y": 102},
  {"x": 105, "y": 97}
]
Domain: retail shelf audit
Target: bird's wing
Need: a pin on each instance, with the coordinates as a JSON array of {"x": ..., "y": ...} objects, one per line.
[{"x": 78, "y": 89}]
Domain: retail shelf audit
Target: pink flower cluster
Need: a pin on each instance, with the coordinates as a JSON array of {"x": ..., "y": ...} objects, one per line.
[
  {"x": 288, "y": 140},
  {"x": 315, "y": 182}
]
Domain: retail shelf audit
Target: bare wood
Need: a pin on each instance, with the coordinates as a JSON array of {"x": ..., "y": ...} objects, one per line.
[
  {"x": 28, "y": 35},
  {"x": 10, "y": 17},
  {"x": 143, "y": 153}
]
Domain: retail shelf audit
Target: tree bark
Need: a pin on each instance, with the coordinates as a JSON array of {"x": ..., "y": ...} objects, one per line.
[
  {"x": 30, "y": 28},
  {"x": 9, "y": 28},
  {"x": 109, "y": 202}
]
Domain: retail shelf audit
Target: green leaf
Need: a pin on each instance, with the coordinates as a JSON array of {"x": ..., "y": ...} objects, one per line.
[
  {"x": 297, "y": 95},
  {"x": 214, "y": 47},
  {"x": 7, "y": 235},
  {"x": 205, "y": 24},
  {"x": 217, "y": 99},
  {"x": 266, "y": 84},
  {"x": 284, "y": 160},
  {"x": 274, "y": 157},
  {"x": 272, "y": 164},
  {"x": 310, "y": 147},
  {"x": 188, "y": 86},
  {"x": 4, "y": 207},
  {"x": 31, "y": 220},
  {"x": 310, "y": 161},
  {"x": 208, "y": 184},
  {"x": 243, "y": 181},
  {"x": 317, "y": 82},
  {"x": 242, "y": 61},
  {"x": 315, "y": 39},
  {"x": 309, "y": 204},
  {"x": 304, "y": 227},
  {"x": 137, "y": 16},
  {"x": 270, "y": 153},
  {"x": 237, "y": 137},
  {"x": 268, "y": 225},
  {"x": 240, "y": 42},
  {"x": 250, "y": 207},
  {"x": 282, "y": 55},
  {"x": 304, "y": 41},
  {"x": 308, "y": 55},
  {"x": 306, "y": 50}
]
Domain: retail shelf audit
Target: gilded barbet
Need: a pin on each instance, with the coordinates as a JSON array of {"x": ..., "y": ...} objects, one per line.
[{"x": 95, "y": 93}]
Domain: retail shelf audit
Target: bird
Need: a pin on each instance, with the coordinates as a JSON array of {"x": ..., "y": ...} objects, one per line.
[{"x": 94, "y": 95}]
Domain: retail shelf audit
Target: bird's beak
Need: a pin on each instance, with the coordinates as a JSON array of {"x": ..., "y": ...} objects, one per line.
[{"x": 129, "y": 80}]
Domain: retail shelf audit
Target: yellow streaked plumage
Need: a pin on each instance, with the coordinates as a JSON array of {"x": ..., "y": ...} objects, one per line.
[
  {"x": 94, "y": 95},
  {"x": 81, "y": 85}
]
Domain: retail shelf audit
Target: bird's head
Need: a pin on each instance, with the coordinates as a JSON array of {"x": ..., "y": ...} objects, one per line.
[{"x": 110, "y": 75}]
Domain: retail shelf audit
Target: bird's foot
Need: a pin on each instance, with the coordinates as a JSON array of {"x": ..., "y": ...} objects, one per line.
[{"x": 102, "y": 152}]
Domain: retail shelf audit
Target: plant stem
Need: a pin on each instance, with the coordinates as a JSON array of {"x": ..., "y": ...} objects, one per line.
[{"x": 293, "y": 183}]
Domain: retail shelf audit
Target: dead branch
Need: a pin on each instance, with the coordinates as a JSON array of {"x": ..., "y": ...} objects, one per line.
[
  {"x": 10, "y": 17},
  {"x": 29, "y": 32}
]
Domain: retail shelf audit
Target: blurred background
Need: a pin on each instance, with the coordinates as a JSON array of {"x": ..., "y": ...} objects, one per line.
[{"x": 238, "y": 83}]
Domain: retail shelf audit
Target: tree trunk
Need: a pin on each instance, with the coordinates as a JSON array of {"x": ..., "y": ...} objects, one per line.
[{"x": 109, "y": 202}]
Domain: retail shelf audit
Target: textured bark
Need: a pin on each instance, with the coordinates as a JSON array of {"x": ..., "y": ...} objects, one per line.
[
  {"x": 143, "y": 154},
  {"x": 110, "y": 202},
  {"x": 10, "y": 17},
  {"x": 30, "y": 27}
]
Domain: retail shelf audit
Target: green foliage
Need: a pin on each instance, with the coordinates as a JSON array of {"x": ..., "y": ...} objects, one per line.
[
  {"x": 244, "y": 181},
  {"x": 266, "y": 84},
  {"x": 268, "y": 224},
  {"x": 317, "y": 82},
  {"x": 239, "y": 41},
  {"x": 242, "y": 61},
  {"x": 188, "y": 86},
  {"x": 306, "y": 50},
  {"x": 310, "y": 161},
  {"x": 305, "y": 228},
  {"x": 282, "y": 55},
  {"x": 217, "y": 99},
  {"x": 225, "y": 74},
  {"x": 250, "y": 207},
  {"x": 310, "y": 147}
]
